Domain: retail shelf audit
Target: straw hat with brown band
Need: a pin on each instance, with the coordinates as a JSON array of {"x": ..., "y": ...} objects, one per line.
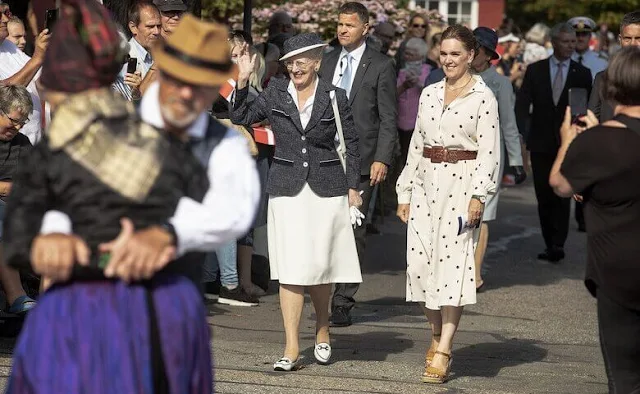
[{"x": 196, "y": 53}]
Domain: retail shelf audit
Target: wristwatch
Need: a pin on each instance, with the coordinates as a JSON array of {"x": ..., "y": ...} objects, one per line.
[
  {"x": 482, "y": 199},
  {"x": 168, "y": 227}
]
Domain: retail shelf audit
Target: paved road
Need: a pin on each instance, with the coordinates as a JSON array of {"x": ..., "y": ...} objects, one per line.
[{"x": 533, "y": 330}]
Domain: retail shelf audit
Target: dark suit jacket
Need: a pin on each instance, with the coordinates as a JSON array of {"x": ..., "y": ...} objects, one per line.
[
  {"x": 546, "y": 118},
  {"x": 304, "y": 155},
  {"x": 373, "y": 104},
  {"x": 602, "y": 109}
]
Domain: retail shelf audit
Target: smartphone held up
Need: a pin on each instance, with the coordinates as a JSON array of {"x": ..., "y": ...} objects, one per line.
[
  {"x": 50, "y": 19},
  {"x": 578, "y": 99},
  {"x": 132, "y": 65}
]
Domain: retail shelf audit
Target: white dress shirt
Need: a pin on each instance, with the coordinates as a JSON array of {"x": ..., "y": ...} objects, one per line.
[
  {"x": 145, "y": 62},
  {"x": 229, "y": 206},
  {"x": 13, "y": 60},
  {"x": 342, "y": 64},
  {"x": 307, "y": 109}
]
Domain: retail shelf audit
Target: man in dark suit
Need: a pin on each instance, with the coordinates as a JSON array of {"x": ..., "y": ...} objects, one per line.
[
  {"x": 629, "y": 35},
  {"x": 369, "y": 79},
  {"x": 546, "y": 87}
]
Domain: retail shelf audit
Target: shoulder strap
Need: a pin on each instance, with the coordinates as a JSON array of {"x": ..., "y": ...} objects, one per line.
[
  {"x": 342, "y": 148},
  {"x": 632, "y": 124}
]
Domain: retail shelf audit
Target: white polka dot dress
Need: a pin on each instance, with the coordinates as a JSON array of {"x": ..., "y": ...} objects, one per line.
[{"x": 440, "y": 263}]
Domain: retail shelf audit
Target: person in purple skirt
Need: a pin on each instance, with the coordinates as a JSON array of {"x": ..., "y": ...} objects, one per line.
[{"x": 121, "y": 319}]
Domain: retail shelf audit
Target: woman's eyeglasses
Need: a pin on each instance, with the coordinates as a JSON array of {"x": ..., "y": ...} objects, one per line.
[
  {"x": 416, "y": 25},
  {"x": 14, "y": 122},
  {"x": 299, "y": 64}
]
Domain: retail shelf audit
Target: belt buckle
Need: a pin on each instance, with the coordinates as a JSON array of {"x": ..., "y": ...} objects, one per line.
[
  {"x": 451, "y": 156},
  {"x": 438, "y": 154}
]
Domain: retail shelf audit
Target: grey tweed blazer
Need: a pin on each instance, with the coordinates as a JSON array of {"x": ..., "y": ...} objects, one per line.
[{"x": 304, "y": 155}]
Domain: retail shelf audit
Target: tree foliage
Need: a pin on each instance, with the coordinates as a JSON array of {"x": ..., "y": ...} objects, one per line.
[{"x": 525, "y": 13}]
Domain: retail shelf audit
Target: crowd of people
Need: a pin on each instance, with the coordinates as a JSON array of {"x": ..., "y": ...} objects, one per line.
[{"x": 117, "y": 187}]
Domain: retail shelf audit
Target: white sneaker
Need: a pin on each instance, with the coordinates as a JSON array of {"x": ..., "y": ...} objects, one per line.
[{"x": 322, "y": 352}]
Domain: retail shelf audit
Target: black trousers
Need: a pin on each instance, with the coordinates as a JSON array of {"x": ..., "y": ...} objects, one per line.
[
  {"x": 580, "y": 214},
  {"x": 620, "y": 345},
  {"x": 344, "y": 292},
  {"x": 553, "y": 211}
]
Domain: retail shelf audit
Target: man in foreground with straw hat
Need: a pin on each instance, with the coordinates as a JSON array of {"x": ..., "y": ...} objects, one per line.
[
  {"x": 187, "y": 86},
  {"x": 190, "y": 74}
]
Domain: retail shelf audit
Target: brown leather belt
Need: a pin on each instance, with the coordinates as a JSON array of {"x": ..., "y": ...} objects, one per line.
[{"x": 439, "y": 154}]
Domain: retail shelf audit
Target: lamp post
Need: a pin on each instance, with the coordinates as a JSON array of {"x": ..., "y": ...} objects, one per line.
[{"x": 246, "y": 20}]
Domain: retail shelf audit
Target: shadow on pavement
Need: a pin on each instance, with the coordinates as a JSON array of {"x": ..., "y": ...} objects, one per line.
[
  {"x": 514, "y": 243},
  {"x": 487, "y": 359},
  {"x": 368, "y": 346}
]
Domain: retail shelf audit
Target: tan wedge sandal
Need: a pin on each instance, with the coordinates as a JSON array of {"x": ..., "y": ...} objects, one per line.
[
  {"x": 431, "y": 352},
  {"x": 439, "y": 375}
]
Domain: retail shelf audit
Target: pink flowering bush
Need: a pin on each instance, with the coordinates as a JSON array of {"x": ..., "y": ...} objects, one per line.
[{"x": 321, "y": 16}]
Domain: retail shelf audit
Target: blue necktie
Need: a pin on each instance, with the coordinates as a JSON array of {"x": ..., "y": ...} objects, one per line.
[{"x": 345, "y": 82}]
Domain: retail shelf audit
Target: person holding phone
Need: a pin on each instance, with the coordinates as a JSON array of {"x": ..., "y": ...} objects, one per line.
[
  {"x": 410, "y": 82},
  {"x": 601, "y": 163},
  {"x": 145, "y": 25},
  {"x": 16, "y": 68}
]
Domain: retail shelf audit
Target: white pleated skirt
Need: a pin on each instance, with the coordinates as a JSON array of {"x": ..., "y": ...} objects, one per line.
[{"x": 311, "y": 240}]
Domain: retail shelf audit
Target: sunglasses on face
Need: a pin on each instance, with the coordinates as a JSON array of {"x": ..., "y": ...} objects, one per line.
[
  {"x": 415, "y": 26},
  {"x": 14, "y": 122}
]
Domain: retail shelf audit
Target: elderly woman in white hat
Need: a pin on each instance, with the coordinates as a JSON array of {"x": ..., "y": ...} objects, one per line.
[{"x": 313, "y": 199}]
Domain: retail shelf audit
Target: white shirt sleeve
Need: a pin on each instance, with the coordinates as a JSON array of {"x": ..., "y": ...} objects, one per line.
[
  {"x": 229, "y": 206},
  {"x": 226, "y": 212},
  {"x": 55, "y": 222}
]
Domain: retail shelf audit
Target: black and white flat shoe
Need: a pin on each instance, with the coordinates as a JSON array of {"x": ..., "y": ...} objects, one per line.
[
  {"x": 322, "y": 352},
  {"x": 285, "y": 364}
]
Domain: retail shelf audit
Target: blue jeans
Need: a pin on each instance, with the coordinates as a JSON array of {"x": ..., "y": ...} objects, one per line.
[{"x": 223, "y": 261}]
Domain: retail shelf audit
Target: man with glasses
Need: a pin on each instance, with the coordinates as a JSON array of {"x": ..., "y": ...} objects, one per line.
[
  {"x": 629, "y": 35},
  {"x": 171, "y": 11},
  {"x": 16, "y": 68},
  {"x": 15, "y": 107}
]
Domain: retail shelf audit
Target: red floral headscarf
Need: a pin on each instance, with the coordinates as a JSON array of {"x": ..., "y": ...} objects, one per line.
[{"x": 84, "y": 50}]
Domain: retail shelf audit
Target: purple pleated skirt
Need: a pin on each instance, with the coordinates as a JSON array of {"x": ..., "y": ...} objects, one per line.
[{"x": 94, "y": 337}]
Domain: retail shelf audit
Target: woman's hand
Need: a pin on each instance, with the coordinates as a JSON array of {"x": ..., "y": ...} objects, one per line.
[
  {"x": 246, "y": 65},
  {"x": 476, "y": 208},
  {"x": 570, "y": 130},
  {"x": 403, "y": 212},
  {"x": 590, "y": 120},
  {"x": 355, "y": 198}
]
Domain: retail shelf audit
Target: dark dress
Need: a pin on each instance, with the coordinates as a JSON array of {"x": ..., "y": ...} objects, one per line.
[
  {"x": 603, "y": 165},
  {"x": 10, "y": 154},
  {"x": 96, "y": 335}
]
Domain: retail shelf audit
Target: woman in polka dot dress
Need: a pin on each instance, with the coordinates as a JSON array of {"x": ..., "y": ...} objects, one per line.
[{"x": 451, "y": 169}]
